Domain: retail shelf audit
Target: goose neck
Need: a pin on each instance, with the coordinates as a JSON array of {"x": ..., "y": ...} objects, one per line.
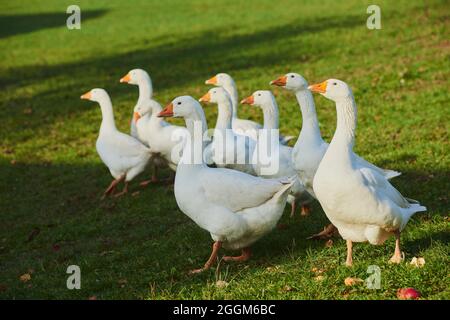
[
  {"x": 224, "y": 115},
  {"x": 146, "y": 117},
  {"x": 153, "y": 114},
  {"x": 270, "y": 112},
  {"x": 346, "y": 122},
  {"x": 195, "y": 144},
  {"x": 107, "y": 114},
  {"x": 231, "y": 89},
  {"x": 310, "y": 125},
  {"x": 145, "y": 90}
]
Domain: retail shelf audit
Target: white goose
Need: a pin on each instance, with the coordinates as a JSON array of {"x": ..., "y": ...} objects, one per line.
[
  {"x": 266, "y": 101},
  {"x": 165, "y": 140},
  {"x": 159, "y": 135},
  {"x": 310, "y": 147},
  {"x": 236, "y": 208},
  {"x": 228, "y": 149},
  {"x": 142, "y": 79},
  {"x": 358, "y": 200},
  {"x": 241, "y": 126},
  {"x": 125, "y": 156}
]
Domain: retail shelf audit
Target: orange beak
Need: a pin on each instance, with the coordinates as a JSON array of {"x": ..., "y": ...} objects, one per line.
[
  {"x": 280, "y": 82},
  {"x": 126, "y": 78},
  {"x": 318, "y": 87},
  {"x": 136, "y": 117},
  {"x": 249, "y": 100},
  {"x": 205, "y": 98},
  {"x": 213, "y": 80},
  {"x": 86, "y": 96},
  {"x": 167, "y": 112}
]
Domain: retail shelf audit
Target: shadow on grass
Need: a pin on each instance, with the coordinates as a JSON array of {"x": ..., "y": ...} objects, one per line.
[
  {"x": 62, "y": 189},
  {"x": 47, "y": 189},
  {"x": 173, "y": 63},
  {"x": 177, "y": 61},
  {"x": 11, "y": 25},
  {"x": 62, "y": 202},
  {"x": 429, "y": 187},
  {"x": 38, "y": 193},
  {"x": 418, "y": 245}
]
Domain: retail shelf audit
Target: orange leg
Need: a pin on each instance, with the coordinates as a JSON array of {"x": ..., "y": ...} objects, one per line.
[
  {"x": 112, "y": 187},
  {"x": 306, "y": 210},
  {"x": 293, "y": 205},
  {"x": 246, "y": 253},
  {"x": 154, "y": 178},
  {"x": 327, "y": 232},
  {"x": 349, "y": 260},
  {"x": 124, "y": 191},
  {"x": 215, "y": 250},
  {"x": 147, "y": 182},
  {"x": 397, "y": 257}
]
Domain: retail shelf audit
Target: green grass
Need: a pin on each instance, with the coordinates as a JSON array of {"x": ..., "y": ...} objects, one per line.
[{"x": 142, "y": 247}]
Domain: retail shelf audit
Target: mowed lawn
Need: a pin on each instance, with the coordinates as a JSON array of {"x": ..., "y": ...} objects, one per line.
[{"x": 142, "y": 246}]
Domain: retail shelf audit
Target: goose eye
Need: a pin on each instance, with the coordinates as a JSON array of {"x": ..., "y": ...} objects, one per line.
[
  {"x": 179, "y": 102},
  {"x": 334, "y": 83},
  {"x": 292, "y": 76},
  {"x": 259, "y": 94}
]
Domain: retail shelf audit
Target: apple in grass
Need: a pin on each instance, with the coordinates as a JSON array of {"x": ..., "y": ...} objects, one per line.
[{"x": 408, "y": 294}]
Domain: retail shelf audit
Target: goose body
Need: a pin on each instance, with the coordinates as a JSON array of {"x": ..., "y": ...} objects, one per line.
[
  {"x": 125, "y": 156},
  {"x": 237, "y": 209},
  {"x": 358, "y": 199}
]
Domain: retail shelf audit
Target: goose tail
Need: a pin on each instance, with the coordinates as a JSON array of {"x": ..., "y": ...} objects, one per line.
[
  {"x": 288, "y": 180},
  {"x": 389, "y": 174},
  {"x": 412, "y": 201},
  {"x": 410, "y": 211},
  {"x": 284, "y": 140},
  {"x": 287, "y": 184}
]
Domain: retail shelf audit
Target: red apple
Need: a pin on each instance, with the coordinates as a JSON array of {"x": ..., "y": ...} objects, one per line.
[{"x": 408, "y": 294}]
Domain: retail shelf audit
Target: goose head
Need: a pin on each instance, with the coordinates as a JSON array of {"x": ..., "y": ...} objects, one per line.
[
  {"x": 143, "y": 109},
  {"x": 332, "y": 89},
  {"x": 220, "y": 80},
  {"x": 215, "y": 95},
  {"x": 182, "y": 107},
  {"x": 259, "y": 98},
  {"x": 96, "y": 95},
  {"x": 136, "y": 76},
  {"x": 291, "y": 81}
]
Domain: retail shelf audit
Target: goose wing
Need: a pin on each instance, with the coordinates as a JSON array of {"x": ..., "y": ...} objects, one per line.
[{"x": 236, "y": 190}]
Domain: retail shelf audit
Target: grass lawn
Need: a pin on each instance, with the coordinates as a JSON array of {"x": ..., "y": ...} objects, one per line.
[{"x": 141, "y": 247}]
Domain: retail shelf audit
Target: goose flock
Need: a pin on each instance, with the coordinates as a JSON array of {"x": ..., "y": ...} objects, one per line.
[{"x": 236, "y": 183}]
